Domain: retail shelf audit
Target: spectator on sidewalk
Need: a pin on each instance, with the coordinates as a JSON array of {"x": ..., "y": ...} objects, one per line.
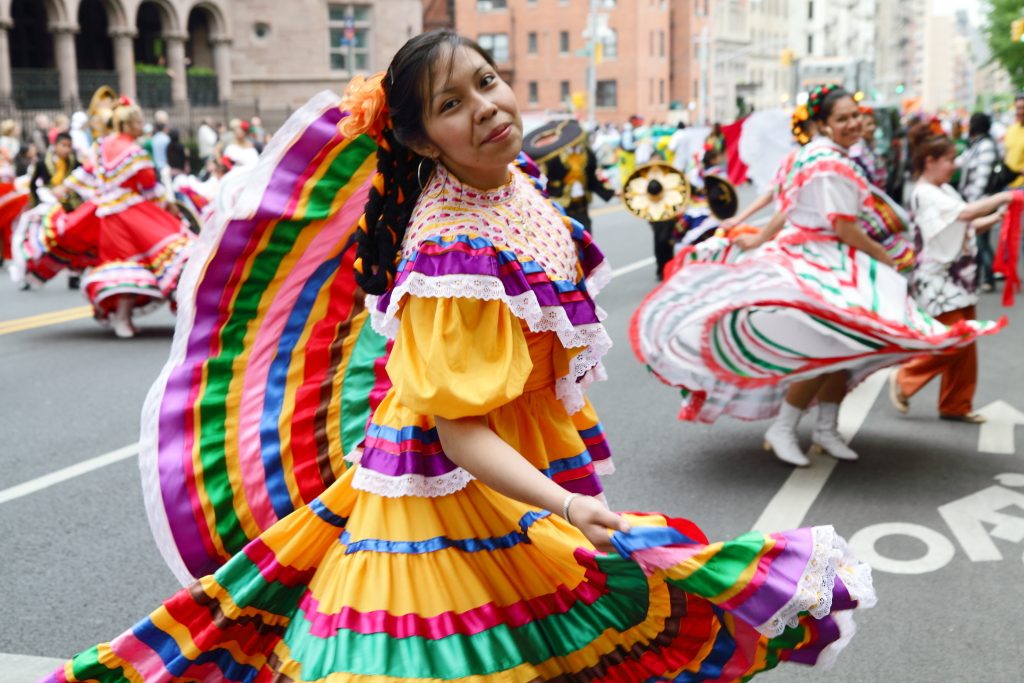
[
  {"x": 976, "y": 165},
  {"x": 206, "y": 141}
]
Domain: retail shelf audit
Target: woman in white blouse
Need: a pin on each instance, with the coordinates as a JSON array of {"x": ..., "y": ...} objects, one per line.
[{"x": 944, "y": 280}]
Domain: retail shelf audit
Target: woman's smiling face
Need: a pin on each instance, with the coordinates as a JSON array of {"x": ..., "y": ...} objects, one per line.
[{"x": 472, "y": 120}]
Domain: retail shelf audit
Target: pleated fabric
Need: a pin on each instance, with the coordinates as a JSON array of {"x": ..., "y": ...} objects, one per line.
[
  {"x": 403, "y": 566},
  {"x": 734, "y": 329}
]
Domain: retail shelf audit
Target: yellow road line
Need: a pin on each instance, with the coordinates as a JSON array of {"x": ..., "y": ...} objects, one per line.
[
  {"x": 45, "y": 319},
  {"x": 601, "y": 211}
]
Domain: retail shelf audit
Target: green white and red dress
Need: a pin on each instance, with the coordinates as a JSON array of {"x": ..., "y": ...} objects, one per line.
[{"x": 733, "y": 329}]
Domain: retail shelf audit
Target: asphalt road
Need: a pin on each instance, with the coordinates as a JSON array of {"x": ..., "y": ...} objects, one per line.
[{"x": 79, "y": 566}]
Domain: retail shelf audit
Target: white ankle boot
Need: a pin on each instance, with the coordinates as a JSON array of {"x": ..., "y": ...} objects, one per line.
[
  {"x": 826, "y": 437},
  {"x": 122, "y": 326},
  {"x": 781, "y": 437}
]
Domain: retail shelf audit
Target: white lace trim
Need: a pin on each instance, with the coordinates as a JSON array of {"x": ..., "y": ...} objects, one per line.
[
  {"x": 592, "y": 337},
  {"x": 604, "y": 467},
  {"x": 599, "y": 279},
  {"x": 830, "y": 556},
  {"x": 416, "y": 485}
]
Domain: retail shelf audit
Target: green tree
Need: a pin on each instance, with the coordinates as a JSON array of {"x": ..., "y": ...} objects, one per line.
[{"x": 1002, "y": 13}]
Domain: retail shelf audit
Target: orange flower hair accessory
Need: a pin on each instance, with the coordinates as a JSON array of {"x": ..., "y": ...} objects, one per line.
[
  {"x": 367, "y": 108},
  {"x": 798, "y": 124}
]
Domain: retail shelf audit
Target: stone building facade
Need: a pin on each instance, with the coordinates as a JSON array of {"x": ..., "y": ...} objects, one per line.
[{"x": 53, "y": 52}]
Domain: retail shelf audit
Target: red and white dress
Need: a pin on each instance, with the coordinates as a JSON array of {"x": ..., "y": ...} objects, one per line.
[
  {"x": 733, "y": 329},
  {"x": 141, "y": 248}
]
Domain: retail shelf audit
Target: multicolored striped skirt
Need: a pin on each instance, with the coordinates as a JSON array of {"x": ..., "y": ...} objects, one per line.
[{"x": 477, "y": 587}]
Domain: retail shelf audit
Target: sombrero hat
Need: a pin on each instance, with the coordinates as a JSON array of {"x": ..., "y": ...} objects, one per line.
[
  {"x": 656, "y": 192},
  {"x": 545, "y": 142},
  {"x": 721, "y": 195}
]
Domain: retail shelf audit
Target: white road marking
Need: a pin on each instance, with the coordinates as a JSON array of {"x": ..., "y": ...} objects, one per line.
[
  {"x": 636, "y": 265},
  {"x": 939, "y": 551},
  {"x": 76, "y": 470},
  {"x": 996, "y": 435},
  {"x": 791, "y": 503},
  {"x": 26, "y": 669}
]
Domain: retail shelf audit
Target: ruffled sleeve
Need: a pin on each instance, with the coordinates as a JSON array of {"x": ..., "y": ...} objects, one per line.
[
  {"x": 937, "y": 217},
  {"x": 838, "y": 195},
  {"x": 458, "y": 357}
]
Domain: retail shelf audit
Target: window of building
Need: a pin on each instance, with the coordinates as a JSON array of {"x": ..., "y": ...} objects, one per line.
[
  {"x": 563, "y": 42},
  {"x": 661, "y": 91},
  {"x": 610, "y": 44},
  {"x": 349, "y": 30},
  {"x": 810, "y": 44},
  {"x": 533, "y": 92},
  {"x": 607, "y": 94},
  {"x": 661, "y": 43},
  {"x": 531, "y": 43},
  {"x": 488, "y": 5},
  {"x": 810, "y": 9},
  {"x": 496, "y": 44},
  {"x": 650, "y": 91},
  {"x": 563, "y": 91}
]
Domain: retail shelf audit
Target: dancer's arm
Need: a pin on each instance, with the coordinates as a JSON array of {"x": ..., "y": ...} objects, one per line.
[
  {"x": 755, "y": 206},
  {"x": 471, "y": 444},
  {"x": 768, "y": 232},
  {"x": 984, "y": 207},
  {"x": 984, "y": 224},
  {"x": 850, "y": 233}
]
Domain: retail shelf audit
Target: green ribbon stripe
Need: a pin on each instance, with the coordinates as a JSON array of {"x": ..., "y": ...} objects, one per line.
[{"x": 245, "y": 310}]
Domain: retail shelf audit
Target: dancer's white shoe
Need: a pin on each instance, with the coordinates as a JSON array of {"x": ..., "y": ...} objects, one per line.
[
  {"x": 826, "y": 437},
  {"x": 781, "y": 440}
]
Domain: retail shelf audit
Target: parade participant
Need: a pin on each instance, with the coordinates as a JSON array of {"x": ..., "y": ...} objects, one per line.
[
  {"x": 560, "y": 148},
  {"x": 765, "y": 333},
  {"x": 658, "y": 193},
  {"x": 863, "y": 151},
  {"x": 944, "y": 279},
  {"x": 57, "y": 165},
  {"x": 10, "y": 138},
  {"x": 435, "y": 557},
  {"x": 977, "y": 164},
  {"x": 14, "y": 197},
  {"x": 240, "y": 149},
  {"x": 142, "y": 248}
]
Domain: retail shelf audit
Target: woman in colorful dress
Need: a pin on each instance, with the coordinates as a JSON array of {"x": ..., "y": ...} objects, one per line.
[
  {"x": 944, "y": 281},
  {"x": 804, "y": 318},
  {"x": 141, "y": 248},
  {"x": 449, "y": 551}
]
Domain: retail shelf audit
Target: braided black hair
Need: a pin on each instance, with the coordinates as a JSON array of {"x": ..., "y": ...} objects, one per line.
[{"x": 400, "y": 171}]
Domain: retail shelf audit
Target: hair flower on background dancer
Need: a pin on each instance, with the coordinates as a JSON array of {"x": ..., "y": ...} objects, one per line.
[
  {"x": 804, "y": 318},
  {"x": 466, "y": 541}
]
